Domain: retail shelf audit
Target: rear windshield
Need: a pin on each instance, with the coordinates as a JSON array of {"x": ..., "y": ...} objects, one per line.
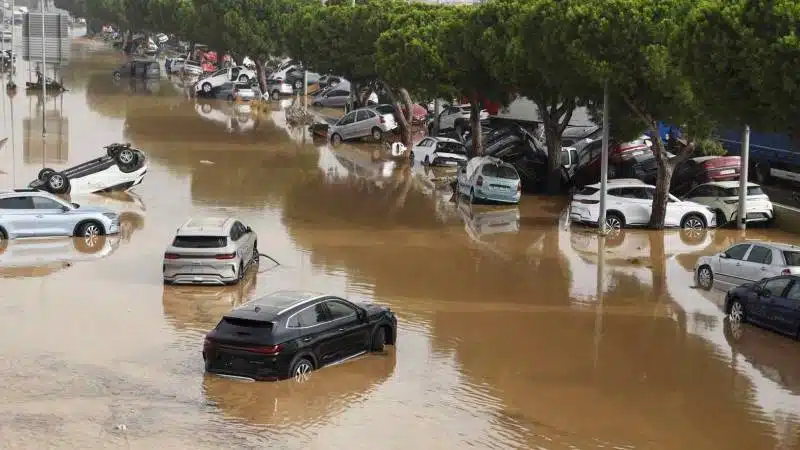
[
  {"x": 242, "y": 86},
  {"x": 385, "y": 109},
  {"x": 491, "y": 170},
  {"x": 588, "y": 191},
  {"x": 451, "y": 147},
  {"x": 244, "y": 327},
  {"x": 792, "y": 258},
  {"x": 734, "y": 192},
  {"x": 200, "y": 241}
]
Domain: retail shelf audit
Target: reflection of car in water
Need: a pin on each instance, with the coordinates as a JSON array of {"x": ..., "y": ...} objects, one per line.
[
  {"x": 139, "y": 85},
  {"x": 200, "y": 308},
  {"x": 236, "y": 117},
  {"x": 291, "y": 403},
  {"x": 37, "y": 257},
  {"x": 769, "y": 354},
  {"x": 635, "y": 244},
  {"x": 483, "y": 222},
  {"x": 130, "y": 207}
]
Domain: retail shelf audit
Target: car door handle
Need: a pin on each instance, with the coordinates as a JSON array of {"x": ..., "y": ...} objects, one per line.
[
  {"x": 342, "y": 329},
  {"x": 738, "y": 264},
  {"x": 308, "y": 339},
  {"x": 763, "y": 268}
]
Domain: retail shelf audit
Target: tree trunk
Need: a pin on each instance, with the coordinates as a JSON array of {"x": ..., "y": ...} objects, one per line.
[
  {"x": 262, "y": 77},
  {"x": 475, "y": 124},
  {"x": 403, "y": 120},
  {"x": 555, "y": 118},
  {"x": 126, "y": 36},
  {"x": 666, "y": 167}
]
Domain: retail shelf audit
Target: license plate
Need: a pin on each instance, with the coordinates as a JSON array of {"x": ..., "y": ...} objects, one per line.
[
  {"x": 727, "y": 172},
  {"x": 450, "y": 163}
]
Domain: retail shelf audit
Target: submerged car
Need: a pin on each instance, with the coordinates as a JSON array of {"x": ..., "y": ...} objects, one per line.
[
  {"x": 237, "y": 91},
  {"x": 363, "y": 122},
  {"x": 439, "y": 151},
  {"x": 723, "y": 198},
  {"x": 289, "y": 334},
  {"x": 122, "y": 168},
  {"x": 138, "y": 69},
  {"x": 485, "y": 178},
  {"x": 773, "y": 303},
  {"x": 40, "y": 257},
  {"x": 32, "y": 213},
  {"x": 747, "y": 262},
  {"x": 210, "y": 250}
]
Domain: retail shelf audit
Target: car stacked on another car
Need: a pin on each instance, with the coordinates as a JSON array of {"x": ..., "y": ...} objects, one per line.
[
  {"x": 630, "y": 203},
  {"x": 215, "y": 251},
  {"x": 485, "y": 178},
  {"x": 439, "y": 151},
  {"x": 290, "y": 333}
]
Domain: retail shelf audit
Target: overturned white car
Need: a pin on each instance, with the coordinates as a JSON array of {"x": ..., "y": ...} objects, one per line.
[{"x": 122, "y": 168}]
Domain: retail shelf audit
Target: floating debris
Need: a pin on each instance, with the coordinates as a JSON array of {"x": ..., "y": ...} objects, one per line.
[{"x": 207, "y": 162}]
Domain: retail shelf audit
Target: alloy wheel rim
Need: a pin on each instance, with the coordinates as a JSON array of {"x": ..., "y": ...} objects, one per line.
[
  {"x": 737, "y": 312},
  {"x": 704, "y": 277},
  {"x": 301, "y": 373},
  {"x": 56, "y": 182},
  {"x": 693, "y": 224},
  {"x": 91, "y": 231},
  {"x": 613, "y": 223},
  {"x": 126, "y": 156}
]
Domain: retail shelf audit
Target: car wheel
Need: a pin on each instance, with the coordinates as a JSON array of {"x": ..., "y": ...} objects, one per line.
[
  {"x": 693, "y": 222},
  {"x": 117, "y": 76},
  {"x": 377, "y": 134},
  {"x": 126, "y": 157},
  {"x": 90, "y": 229},
  {"x": 255, "y": 258},
  {"x": 737, "y": 314},
  {"x": 3, "y": 240},
  {"x": 614, "y": 222},
  {"x": 89, "y": 244},
  {"x": 45, "y": 173},
  {"x": 243, "y": 78},
  {"x": 411, "y": 156},
  {"x": 705, "y": 278},
  {"x": 298, "y": 85},
  {"x": 301, "y": 369},
  {"x": 207, "y": 88},
  {"x": 336, "y": 139},
  {"x": 721, "y": 219},
  {"x": 58, "y": 183},
  {"x": 229, "y": 98},
  {"x": 275, "y": 95},
  {"x": 317, "y": 105},
  {"x": 427, "y": 160},
  {"x": 206, "y": 108},
  {"x": 240, "y": 277},
  {"x": 378, "y": 340}
]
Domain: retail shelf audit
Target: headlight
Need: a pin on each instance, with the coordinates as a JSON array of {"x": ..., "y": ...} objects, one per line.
[{"x": 111, "y": 216}]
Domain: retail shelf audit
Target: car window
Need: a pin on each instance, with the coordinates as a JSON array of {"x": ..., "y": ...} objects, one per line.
[
  {"x": 385, "y": 109},
  {"x": 734, "y": 191},
  {"x": 362, "y": 115},
  {"x": 794, "y": 293},
  {"x": 46, "y": 203},
  {"x": 311, "y": 316},
  {"x": 500, "y": 171},
  {"x": 760, "y": 255},
  {"x": 200, "y": 241},
  {"x": 451, "y": 147},
  {"x": 589, "y": 191},
  {"x": 737, "y": 251},
  {"x": 776, "y": 286},
  {"x": 234, "y": 234},
  {"x": 339, "y": 310},
  {"x": 16, "y": 203},
  {"x": 348, "y": 119},
  {"x": 630, "y": 192},
  {"x": 700, "y": 191},
  {"x": 338, "y": 93},
  {"x": 220, "y": 72},
  {"x": 426, "y": 143},
  {"x": 792, "y": 258}
]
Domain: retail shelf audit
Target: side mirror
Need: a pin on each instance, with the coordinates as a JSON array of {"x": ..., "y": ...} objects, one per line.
[
  {"x": 75, "y": 205},
  {"x": 248, "y": 229},
  {"x": 64, "y": 209},
  {"x": 362, "y": 315},
  {"x": 723, "y": 255}
]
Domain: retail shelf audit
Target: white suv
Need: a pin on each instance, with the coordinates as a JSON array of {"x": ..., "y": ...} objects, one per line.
[
  {"x": 456, "y": 118},
  {"x": 630, "y": 202},
  {"x": 222, "y": 76},
  {"x": 723, "y": 198}
]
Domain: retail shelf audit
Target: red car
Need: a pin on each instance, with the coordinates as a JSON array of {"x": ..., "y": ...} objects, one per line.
[{"x": 704, "y": 169}]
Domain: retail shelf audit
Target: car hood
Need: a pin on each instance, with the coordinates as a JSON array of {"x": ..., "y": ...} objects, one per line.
[
  {"x": 694, "y": 204},
  {"x": 451, "y": 155},
  {"x": 373, "y": 309},
  {"x": 94, "y": 209}
]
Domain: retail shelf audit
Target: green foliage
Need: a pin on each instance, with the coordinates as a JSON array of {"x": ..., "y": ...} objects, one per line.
[
  {"x": 742, "y": 57},
  {"x": 709, "y": 147},
  {"x": 256, "y": 27}
]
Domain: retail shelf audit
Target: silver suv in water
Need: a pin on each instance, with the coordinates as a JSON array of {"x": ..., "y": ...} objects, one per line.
[
  {"x": 33, "y": 213},
  {"x": 210, "y": 250}
]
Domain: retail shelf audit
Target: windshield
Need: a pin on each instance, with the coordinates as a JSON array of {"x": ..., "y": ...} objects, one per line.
[
  {"x": 734, "y": 192},
  {"x": 200, "y": 241},
  {"x": 451, "y": 147},
  {"x": 499, "y": 171},
  {"x": 385, "y": 109},
  {"x": 792, "y": 258},
  {"x": 234, "y": 326},
  {"x": 588, "y": 191}
]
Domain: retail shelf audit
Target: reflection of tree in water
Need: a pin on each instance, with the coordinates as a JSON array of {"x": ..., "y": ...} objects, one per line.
[{"x": 105, "y": 97}]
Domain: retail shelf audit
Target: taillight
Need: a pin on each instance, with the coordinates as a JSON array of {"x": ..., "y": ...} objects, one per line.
[
  {"x": 279, "y": 80},
  {"x": 267, "y": 350},
  {"x": 479, "y": 182},
  {"x": 786, "y": 272},
  {"x": 171, "y": 256},
  {"x": 226, "y": 256}
]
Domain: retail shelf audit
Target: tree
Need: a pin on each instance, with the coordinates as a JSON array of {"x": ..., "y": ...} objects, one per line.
[
  {"x": 627, "y": 44},
  {"x": 742, "y": 59}
]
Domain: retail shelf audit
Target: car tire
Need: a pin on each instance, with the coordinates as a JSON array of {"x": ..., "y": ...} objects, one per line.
[
  {"x": 126, "y": 157},
  {"x": 336, "y": 139},
  {"x": 693, "y": 222},
  {"x": 89, "y": 245},
  {"x": 256, "y": 256},
  {"x": 301, "y": 368},
  {"x": 378, "y": 343},
  {"x": 57, "y": 183},
  {"x": 615, "y": 221},
  {"x": 317, "y": 105},
  {"x": 721, "y": 219},
  {"x": 377, "y": 134},
  {"x": 45, "y": 173},
  {"x": 3, "y": 240},
  {"x": 243, "y": 78},
  {"x": 275, "y": 95},
  {"x": 705, "y": 277},
  {"x": 88, "y": 229},
  {"x": 298, "y": 85},
  {"x": 411, "y": 156},
  {"x": 117, "y": 76},
  {"x": 206, "y": 88},
  {"x": 229, "y": 98},
  {"x": 737, "y": 312},
  {"x": 240, "y": 275}
]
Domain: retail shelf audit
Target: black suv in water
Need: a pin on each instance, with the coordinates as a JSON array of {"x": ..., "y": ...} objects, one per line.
[{"x": 289, "y": 334}]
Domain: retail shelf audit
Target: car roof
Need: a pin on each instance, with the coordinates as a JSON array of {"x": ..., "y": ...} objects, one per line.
[
  {"x": 26, "y": 193},
  {"x": 621, "y": 182},
  {"x": 775, "y": 245},
  {"x": 727, "y": 184},
  {"x": 444, "y": 139},
  {"x": 204, "y": 226},
  {"x": 269, "y": 307}
]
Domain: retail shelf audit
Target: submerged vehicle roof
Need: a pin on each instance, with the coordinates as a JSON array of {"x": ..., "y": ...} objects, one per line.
[{"x": 270, "y": 306}]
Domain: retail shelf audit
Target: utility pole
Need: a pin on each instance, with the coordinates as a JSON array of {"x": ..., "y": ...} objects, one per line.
[
  {"x": 305, "y": 90},
  {"x": 44, "y": 76},
  {"x": 745, "y": 161},
  {"x": 601, "y": 220}
]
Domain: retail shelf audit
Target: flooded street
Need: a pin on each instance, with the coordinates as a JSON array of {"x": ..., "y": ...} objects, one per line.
[{"x": 507, "y": 337}]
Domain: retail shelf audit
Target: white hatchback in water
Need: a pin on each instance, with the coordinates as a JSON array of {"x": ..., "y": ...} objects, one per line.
[{"x": 747, "y": 262}]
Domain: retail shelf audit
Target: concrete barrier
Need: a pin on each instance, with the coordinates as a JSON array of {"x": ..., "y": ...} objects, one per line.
[{"x": 787, "y": 218}]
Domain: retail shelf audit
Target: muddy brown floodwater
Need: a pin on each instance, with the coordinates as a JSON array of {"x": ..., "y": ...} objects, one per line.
[{"x": 507, "y": 337}]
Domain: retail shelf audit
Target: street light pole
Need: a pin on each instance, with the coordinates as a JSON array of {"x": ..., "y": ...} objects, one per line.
[
  {"x": 44, "y": 76},
  {"x": 601, "y": 220},
  {"x": 745, "y": 164}
]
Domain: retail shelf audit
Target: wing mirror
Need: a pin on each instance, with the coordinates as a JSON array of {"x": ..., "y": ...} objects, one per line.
[
  {"x": 362, "y": 315},
  {"x": 723, "y": 255},
  {"x": 248, "y": 229},
  {"x": 75, "y": 205}
]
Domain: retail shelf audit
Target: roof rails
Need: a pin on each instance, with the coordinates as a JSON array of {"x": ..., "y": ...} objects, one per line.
[{"x": 27, "y": 190}]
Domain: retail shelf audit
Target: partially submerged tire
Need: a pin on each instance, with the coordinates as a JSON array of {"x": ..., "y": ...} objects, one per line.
[
  {"x": 206, "y": 88},
  {"x": 3, "y": 240},
  {"x": 693, "y": 222},
  {"x": 89, "y": 245},
  {"x": 275, "y": 95},
  {"x": 378, "y": 340},
  {"x": 614, "y": 221},
  {"x": 89, "y": 229},
  {"x": 737, "y": 314},
  {"x": 301, "y": 368},
  {"x": 117, "y": 76},
  {"x": 298, "y": 85},
  {"x": 377, "y": 134},
  {"x": 45, "y": 173},
  {"x": 336, "y": 139},
  {"x": 705, "y": 277},
  {"x": 57, "y": 183}
]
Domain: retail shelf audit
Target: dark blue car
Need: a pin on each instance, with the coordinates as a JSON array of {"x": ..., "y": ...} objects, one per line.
[{"x": 773, "y": 303}]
